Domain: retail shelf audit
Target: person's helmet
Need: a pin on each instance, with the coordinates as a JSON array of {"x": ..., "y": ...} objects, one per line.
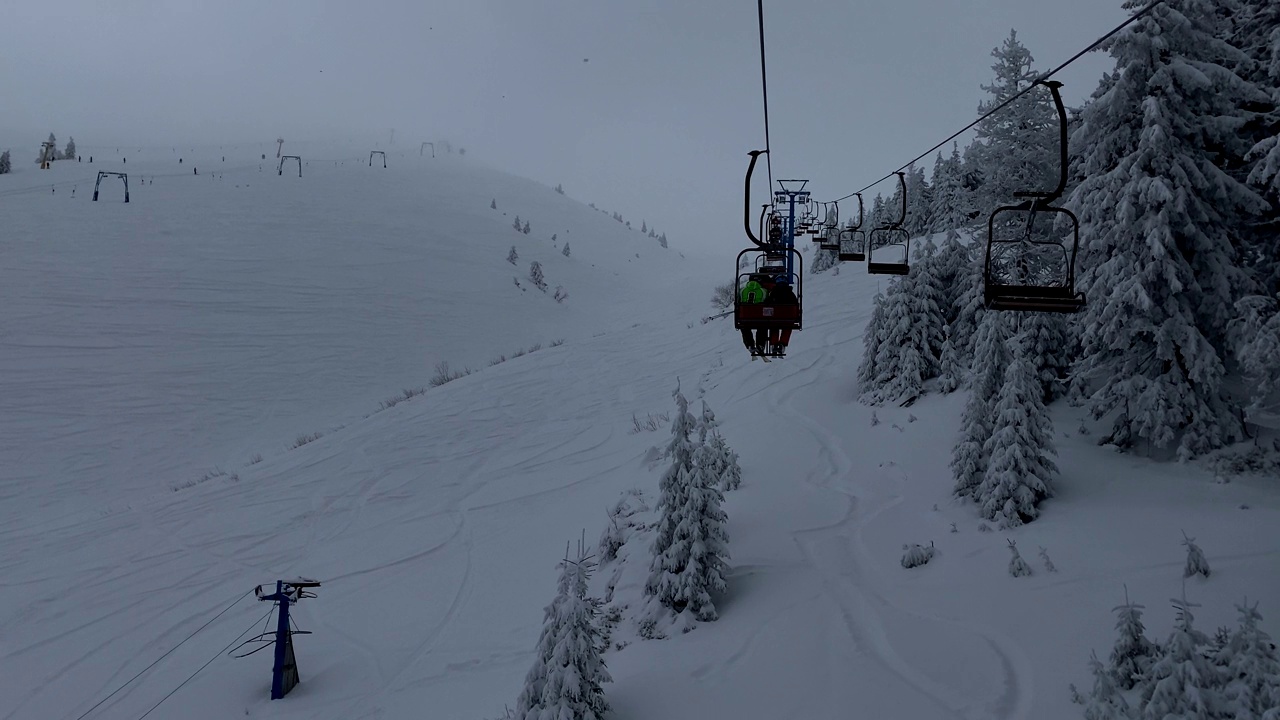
[{"x": 782, "y": 280}]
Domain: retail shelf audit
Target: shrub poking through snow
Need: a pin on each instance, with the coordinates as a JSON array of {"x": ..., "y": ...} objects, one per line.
[
  {"x": 917, "y": 555},
  {"x": 560, "y": 294},
  {"x": 1196, "y": 562},
  {"x": 1017, "y": 566},
  {"x": 513, "y": 256},
  {"x": 568, "y": 668},
  {"x": 691, "y": 543},
  {"x": 1133, "y": 653},
  {"x": 445, "y": 374},
  {"x": 1048, "y": 564}
]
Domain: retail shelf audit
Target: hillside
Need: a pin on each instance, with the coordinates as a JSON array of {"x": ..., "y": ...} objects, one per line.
[
  {"x": 221, "y": 316},
  {"x": 208, "y": 322}
]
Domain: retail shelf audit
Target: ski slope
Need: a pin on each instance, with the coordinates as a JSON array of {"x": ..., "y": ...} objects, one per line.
[{"x": 435, "y": 525}]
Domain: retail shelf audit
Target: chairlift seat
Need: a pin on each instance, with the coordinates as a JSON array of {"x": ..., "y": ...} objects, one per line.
[
  {"x": 1032, "y": 298},
  {"x": 852, "y": 257},
  {"x": 884, "y": 268}
]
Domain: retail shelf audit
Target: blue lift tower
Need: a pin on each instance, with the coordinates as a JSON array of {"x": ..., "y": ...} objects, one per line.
[{"x": 788, "y": 197}]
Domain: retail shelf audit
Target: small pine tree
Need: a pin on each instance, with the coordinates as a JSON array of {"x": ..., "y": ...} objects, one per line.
[
  {"x": 1133, "y": 653},
  {"x": 1048, "y": 564},
  {"x": 6, "y": 165},
  {"x": 493, "y": 204},
  {"x": 662, "y": 240},
  {"x": 565, "y": 251},
  {"x": 725, "y": 461},
  {"x": 1104, "y": 702},
  {"x": 644, "y": 227},
  {"x": 525, "y": 229},
  {"x": 535, "y": 275},
  {"x": 948, "y": 364},
  {"x": 513, "y": 256},
  {"x": 1182, "y": 683},
  {"x": 1017, "y": 566},
  {"x": 517, "y": 224},
  {"x": 1196, "y": 562},
  {"x": 568, "y": 669},
  {"x": 559, "y": 188},
  {"x": 691, "y": 543},
  {"x": 1253, "y": 670}
]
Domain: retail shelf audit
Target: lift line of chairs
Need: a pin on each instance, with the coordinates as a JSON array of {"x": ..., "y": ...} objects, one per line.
[{"x": 1030, "y": 262}]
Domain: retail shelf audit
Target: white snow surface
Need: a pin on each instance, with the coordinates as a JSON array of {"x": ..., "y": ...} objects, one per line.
[{"x": 210, "y": 320}]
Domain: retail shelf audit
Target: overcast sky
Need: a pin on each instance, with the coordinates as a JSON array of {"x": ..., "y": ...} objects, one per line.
[{"x": 647, "y": 107}]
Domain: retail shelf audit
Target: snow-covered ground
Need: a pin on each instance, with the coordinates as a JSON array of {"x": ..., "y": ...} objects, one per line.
[{"x": 205, "y": 322}]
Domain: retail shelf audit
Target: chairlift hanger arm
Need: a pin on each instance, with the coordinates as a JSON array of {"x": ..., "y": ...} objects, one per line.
[{"x": 746, "y": 206}]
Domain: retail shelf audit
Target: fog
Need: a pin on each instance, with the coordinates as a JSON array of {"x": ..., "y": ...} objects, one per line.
[{"x": 645, "y": 107}]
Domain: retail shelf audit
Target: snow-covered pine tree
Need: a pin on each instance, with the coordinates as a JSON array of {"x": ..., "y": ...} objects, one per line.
[
  {"x": 565, "y": 251},
  {"x": 513, "y": 256},
  {"x": 952, "y": 207},
  {"x": 53, "y": 149},
  {"x": 1182, "y": 683},
  {"x": 1253, "y": 669},
  {"x": 1158, "y": 219},
  {"x": 535, "y": 275},
  {"x": 691, "y": 544},
  {"x": 872, "y": 337},
  {"x": 6, "y": 165},
  {"x": 949, "y": 372},
  {"x": 1133, "y": 653},
  {"x": 1019, "y": 467},
  {"x": 725, "y": 461},
  {"x": 822, "y": 261},
  {"x": 1047, "y": 333},
  {"x": 70, "y": 152},
  {"x": 919, "y": 203},
  {"x": 644, "y": 227},
  {"x": 1104, "y": 702},
  {"x": 1256, "y": 335},
  {"x": 968, "y": 458},
  {"x": 526, "y": 228},
  {"x": 493, "y": 204},
  {"x": 1256, "y": 31},
  {"x": 518, "y": 227},
  {"x": 1016, "y": 148},
  {"x": 905, "y": 357},
  {"x": 565, "y": 682},
  {"x": 662, "y": 240}
]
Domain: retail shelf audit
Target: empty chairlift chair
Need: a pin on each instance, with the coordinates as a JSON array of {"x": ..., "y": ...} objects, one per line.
[
  {"x": 1032, "y": 246},
  {"x": 891, "y": 241},
  {"x": 853, "y": 241}
]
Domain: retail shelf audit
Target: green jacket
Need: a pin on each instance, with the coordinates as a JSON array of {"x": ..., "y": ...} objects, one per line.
[{"x": 752, "y": 292}]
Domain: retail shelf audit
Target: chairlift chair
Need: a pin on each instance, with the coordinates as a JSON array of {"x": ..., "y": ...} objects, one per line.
[
  {"x": 1029, "y": 266},
  {"x": 752, "y": 316},
  {"x": 853, "y": 240},
  {"x": 830, "y": 228},
  {"x": 891, "y": 235}
]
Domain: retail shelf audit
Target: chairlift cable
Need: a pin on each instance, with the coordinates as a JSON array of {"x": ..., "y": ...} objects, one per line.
[
  {"x": 1093, "y": 46},
  {"x": 764, "y": 90},
  {"x": 157, "y": 660},
  {"x": 202, "y": 667}
]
